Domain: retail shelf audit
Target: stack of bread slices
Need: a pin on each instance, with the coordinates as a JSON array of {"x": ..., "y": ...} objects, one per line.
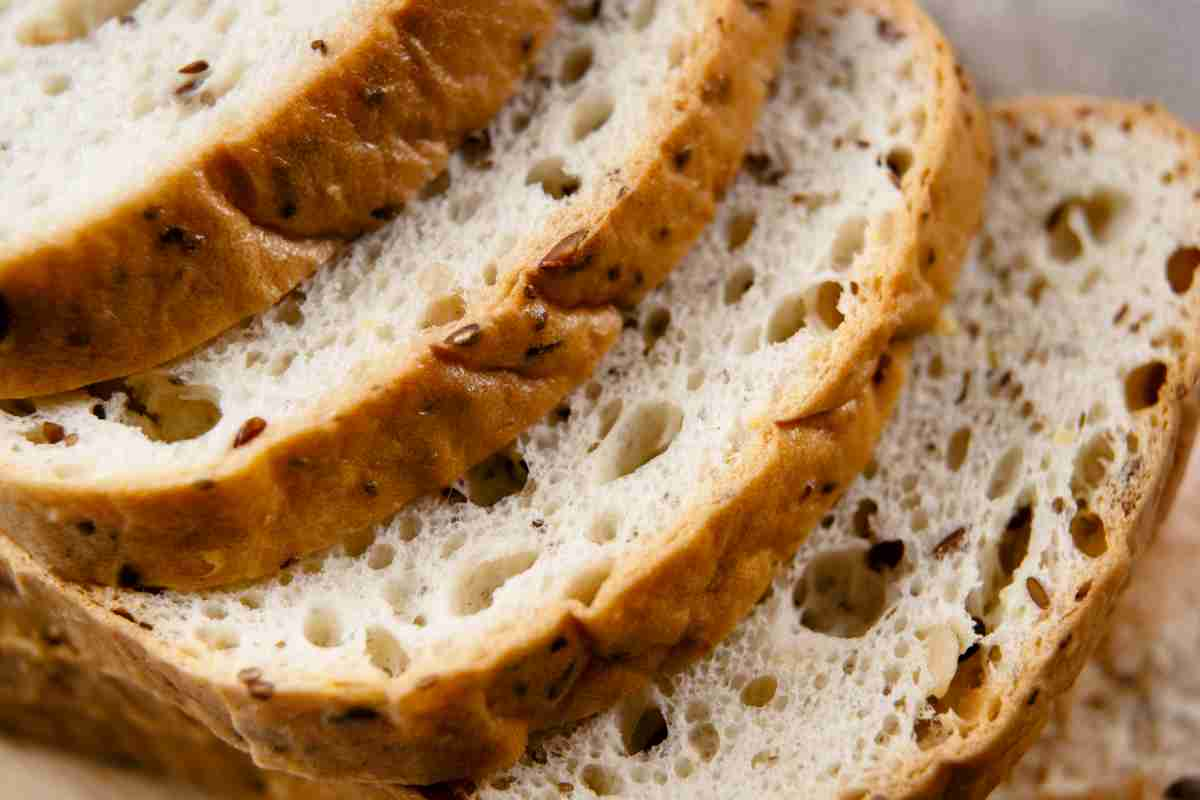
[{"x": 632, "y": 398}]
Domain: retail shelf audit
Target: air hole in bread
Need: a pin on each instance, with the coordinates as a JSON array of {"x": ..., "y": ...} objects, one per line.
[
  {"x": 604, "y": 528},
  {"x": 749, "y": 340},
  {"x": 788, "y": 318},
  {"x": 968, "y": 696},
  {"x": 643, "y": 14},
  {"x": 1011, "y": 552},
  {"x": 1144, "y": 386},
  {"x": 385, "y": 652},
  {"x": 444, "y": 310},
  {"x": 54, "y": 85},
  {"x": 643, "y": 435},
  {"x": 850, "y": 241},
  {"x": 863, "y": 515},
  {"x": 490, "y": 274},
  {"x": 576, "y": 64},
  {"x": 1181, "y": 269},
  {"x": 215, "y": 611},
  {"x": 323, "y": 627},
  {"x": 477, "y": 589},
  {"x": 1088, "y": 533},
  {"x": 760, "y": 691},
  {"x": 900, "y": 161},
  {"x": 610, "y": 413},
  {"x": 1091, "y": 465},
  {"x": 163, "y": 407},
  {"x": 1004, "y": 475},
  {"x": 1065, "y": 244},
  {"x": 600, "y": 780},
  {"x": 705, "y": 740},
  {"x": 551, "y": 175},
  {"x": 696, "y": 380},
  {"x": 738, "y": 284},
  {"x": 740, "y": 228},
  {"x": 381, "y": 556},
  {"x": 829, "y": 295},
  {"x": 591, "y": 113},
  {"x": 1104, "y": 211},
  {"x": 70, "y": 20},
  {"x": 218, "y": 637},
  {"x": 655, "y": 327},
  {"x": 643, "y": 728},
  {"x": 501, "y": 475},
  {"x": 960, "y": 446},
  {"x": 840, "y": 595}
]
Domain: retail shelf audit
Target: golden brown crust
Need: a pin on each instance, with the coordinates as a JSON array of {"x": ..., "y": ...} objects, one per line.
[
  {"x": 249, "y": 216},
  {"x": 421, "y": 421},
  {"x": 1130, "y": 508}
]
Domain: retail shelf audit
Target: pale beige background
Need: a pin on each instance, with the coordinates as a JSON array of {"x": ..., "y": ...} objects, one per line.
[{"x": 1133, "y": 48}]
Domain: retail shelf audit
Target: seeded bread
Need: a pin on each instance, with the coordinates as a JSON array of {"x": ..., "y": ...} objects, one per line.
[
  {"x": 170, "y": 168},
  {"x": 49, "y": 696},
  {"x": 919, "y": 640},
  {"x": 431, "y": 344},
  {"x": 1130, "y": 728},
  {"x": 640, "y": 521}
]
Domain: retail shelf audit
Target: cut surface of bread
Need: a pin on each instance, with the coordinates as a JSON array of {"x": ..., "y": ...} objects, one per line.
[
  {"x": 431, "y": 343},
  {"x": 1130, "y": 728},
  {"x": 171, "y": 168},
  {"x": 918, "y": 642},
  {"x": 51, "y": 697},
  {"x": 642, "y": 519}
]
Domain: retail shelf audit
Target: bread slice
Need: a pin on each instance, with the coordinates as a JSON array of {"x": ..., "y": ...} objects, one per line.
[
  {"x": 170, "y": 168},
  {"x": 655, "y": 502},
  {"x": 1130, "y": 728},
  {"x": 49, "y": 696},
  {"x": 918, "y": 642},
  {"x": 430, "y": 344}
]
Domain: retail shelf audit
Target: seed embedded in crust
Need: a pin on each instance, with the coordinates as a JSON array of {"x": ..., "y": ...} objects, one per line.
[
  {"x": 1037, "y": 593},
  {"x": 371, "y": 488},
  {"x": 465, "y": 336},
  {"x": 951, "y": 543},
  {"x": 566, "y": 252},
  {"x": 319, "y": 46},
  {"x": 250, "y": 430},
  {"x": 53, "y": 433}
]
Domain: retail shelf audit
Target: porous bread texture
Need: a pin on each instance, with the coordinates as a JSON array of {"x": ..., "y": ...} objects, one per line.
[
  {"x": 920, "y": 638},
  {"x": 1130, "y": 728},
  {"x": 171, "y": 168},
  {"x": 50, "y": 696},
  {"x": 655, "y": 503},
  {"x": 431, "y": 343}
]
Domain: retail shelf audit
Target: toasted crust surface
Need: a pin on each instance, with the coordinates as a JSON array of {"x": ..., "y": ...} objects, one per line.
[
  {"x": 412, "y": 427},
  {"x": 243, "y": 220}
]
